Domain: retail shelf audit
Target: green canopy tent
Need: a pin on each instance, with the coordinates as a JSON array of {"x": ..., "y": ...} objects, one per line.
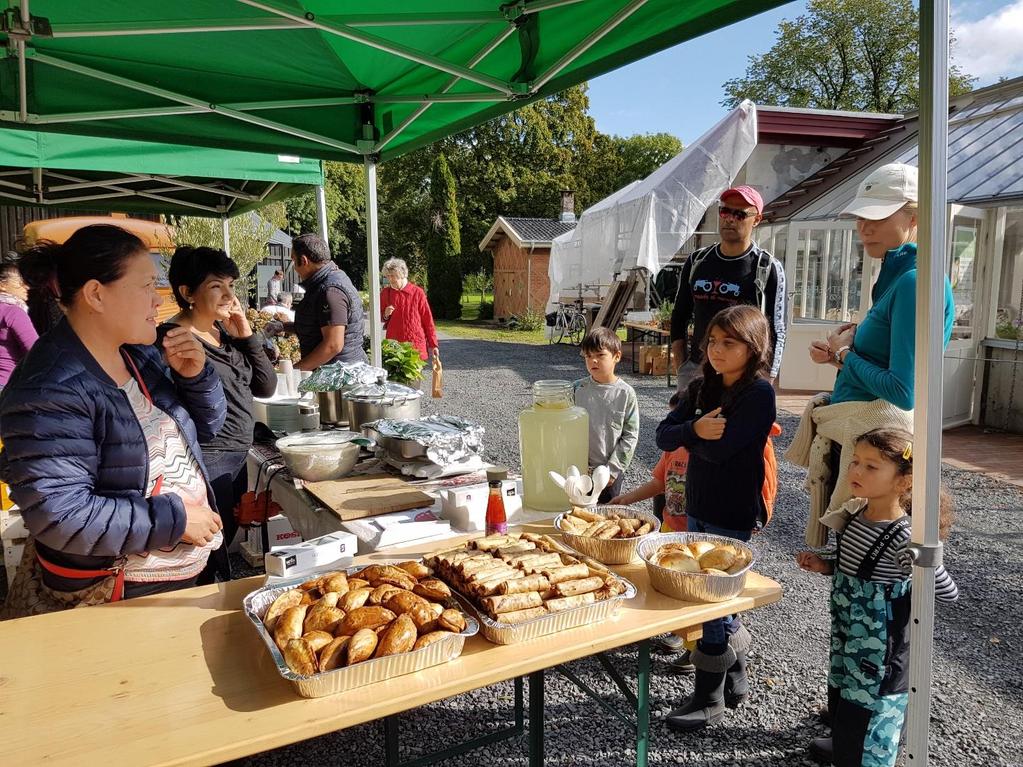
[
  {"x": 319, "y": 78},
  {"x": 59, "y": 169}
]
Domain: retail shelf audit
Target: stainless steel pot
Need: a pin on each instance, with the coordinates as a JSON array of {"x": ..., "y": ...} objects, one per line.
[
  {"x": 332, "y": 407},
  {"x": 372, "y": 402}
]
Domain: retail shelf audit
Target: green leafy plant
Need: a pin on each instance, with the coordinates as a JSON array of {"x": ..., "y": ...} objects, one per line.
[
  {"x": 663, "y": 314},
  {"x": 486, "y": 310},
  {"x": 530, "y": 321},
  {"x": 402, "y": 362}
]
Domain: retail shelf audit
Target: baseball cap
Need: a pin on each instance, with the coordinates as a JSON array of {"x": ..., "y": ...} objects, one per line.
[
  {"x": 749, "y": 194},
  {"x": 884, "y": 191}
]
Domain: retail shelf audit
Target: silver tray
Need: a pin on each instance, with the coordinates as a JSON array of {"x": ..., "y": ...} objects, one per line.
[
  {"x": 613, "y": 551},
  {"x": 694, "y": 587},
  {"x": 361, "y": 674},
  {"x": 512, "y": 633},
  {"x": 398, "y": 448}
]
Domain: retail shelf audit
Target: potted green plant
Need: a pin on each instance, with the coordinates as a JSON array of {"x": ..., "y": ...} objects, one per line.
[
  {"x": 402, "y": 362},
  {"x": 663, "y": 314}
]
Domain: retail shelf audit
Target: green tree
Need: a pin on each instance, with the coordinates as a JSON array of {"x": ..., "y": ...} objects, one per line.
[
  {"x": 858, "y": 55},
  {"x": 345, "y": 191},
  {"x": 249, "y": 232},
  {"x": 444, "y": 248}
]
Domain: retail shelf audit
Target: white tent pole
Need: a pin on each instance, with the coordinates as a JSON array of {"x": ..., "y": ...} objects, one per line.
[
  {"x": 930, "y": 310},
  {"x": 225, "y": 228},
  {"x": 373, "y": 256},
  {"x": 321, "y": 213}
]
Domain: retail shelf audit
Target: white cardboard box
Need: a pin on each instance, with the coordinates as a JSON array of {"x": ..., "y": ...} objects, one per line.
[
  {"x": 335, "y": 550},
  {"x": 466, "y": 507},
  {"x": 279, "y": 532}
]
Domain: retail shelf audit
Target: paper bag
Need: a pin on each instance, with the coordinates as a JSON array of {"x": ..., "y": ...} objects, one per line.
[{"x": 438, "y": 379}]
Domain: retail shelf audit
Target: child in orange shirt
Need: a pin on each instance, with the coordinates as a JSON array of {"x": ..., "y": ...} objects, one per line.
[{"x": 667, "y": 487}]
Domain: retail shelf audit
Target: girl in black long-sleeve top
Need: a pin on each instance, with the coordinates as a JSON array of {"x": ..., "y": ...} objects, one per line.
[{"x": 724, "y": 422}]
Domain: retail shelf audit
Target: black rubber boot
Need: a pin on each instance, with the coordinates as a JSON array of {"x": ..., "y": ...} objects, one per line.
[
  {"x": 736, "y": 680},
  {"x": 822, "y": 751},
  {"x": 706, "y": 705}
]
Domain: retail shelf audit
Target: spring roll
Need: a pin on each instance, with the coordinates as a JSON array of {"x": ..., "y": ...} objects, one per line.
[
  {"x": 492, "y": 542},
  {"x": 518, "y": 616},
  {"x": 519, "y": 547},
  {"x": 608, "y": 531},
  {"x": 506, "y": 603},
  {"x": 472, "y": 566},
  {"x": 581, "y": 586},
  {"x": 524, "y": 583},
  {"x": 586, "y": 515},
  {"x": 567, "y": 603},
  {"x": 568, "y": 573}
]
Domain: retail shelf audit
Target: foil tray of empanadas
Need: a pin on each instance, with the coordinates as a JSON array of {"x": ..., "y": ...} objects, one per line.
[
  {"x": 340, "y": 631},
  {"x": 697, "y": 567}
]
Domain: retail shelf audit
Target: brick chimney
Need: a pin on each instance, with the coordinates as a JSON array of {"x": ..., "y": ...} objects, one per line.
[{"x": 567, "y": 205}]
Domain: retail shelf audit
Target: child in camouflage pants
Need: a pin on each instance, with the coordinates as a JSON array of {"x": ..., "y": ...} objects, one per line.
[{"x": 868, "y": 680}]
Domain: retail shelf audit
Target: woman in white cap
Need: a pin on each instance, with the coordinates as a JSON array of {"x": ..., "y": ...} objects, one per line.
[{"x": 875, "y": 359}]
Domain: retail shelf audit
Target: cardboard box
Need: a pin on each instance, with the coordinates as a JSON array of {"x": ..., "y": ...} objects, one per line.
[
  {"x": 279, "y": 532},
  {"x": 649, "y": 356},
  {"x": 333, "y": 551},
  {"x": 466, "y": 507},
  {"x": 659, "y": 365}
]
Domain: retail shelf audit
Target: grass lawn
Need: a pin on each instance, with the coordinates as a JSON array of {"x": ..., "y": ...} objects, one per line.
[{"x": 469, "y": 326}]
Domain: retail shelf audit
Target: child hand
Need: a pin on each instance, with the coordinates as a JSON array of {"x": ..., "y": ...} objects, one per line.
[
  {"x": 710, "y": 427},
  {"x": 810, "y": 562}
]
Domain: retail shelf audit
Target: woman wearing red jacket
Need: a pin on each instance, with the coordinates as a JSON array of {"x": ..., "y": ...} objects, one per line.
[{"x": 406, "y": 313}]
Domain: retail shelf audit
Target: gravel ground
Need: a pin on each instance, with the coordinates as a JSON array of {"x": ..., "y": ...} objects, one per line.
[{"x": 977, "y": 710}]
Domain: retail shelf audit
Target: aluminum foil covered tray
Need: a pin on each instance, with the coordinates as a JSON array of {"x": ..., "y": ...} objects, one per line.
[
  {"x": 695, "y": 587},
  {"x": 339, "y": 680},
  {"x": 340, "y": 375},
  {"x": 443, "y": 439}
]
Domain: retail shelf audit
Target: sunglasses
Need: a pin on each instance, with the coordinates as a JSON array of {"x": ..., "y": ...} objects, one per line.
[{"x": 737, "y": 213}]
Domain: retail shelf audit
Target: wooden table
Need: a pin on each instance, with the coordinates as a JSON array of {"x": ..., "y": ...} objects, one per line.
[
  {"x": 183, "y": 678},
  {"x": 644, "y": 331}
]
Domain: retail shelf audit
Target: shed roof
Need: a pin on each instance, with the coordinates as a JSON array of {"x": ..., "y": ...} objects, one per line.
[
  {"x": 535, "y": 232},
  {"x": 985, "y": 158}
]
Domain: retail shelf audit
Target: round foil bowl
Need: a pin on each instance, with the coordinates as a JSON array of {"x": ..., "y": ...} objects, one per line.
[
  {"x": 611, "y": 551},
  {"x": 694, "y": 587}
]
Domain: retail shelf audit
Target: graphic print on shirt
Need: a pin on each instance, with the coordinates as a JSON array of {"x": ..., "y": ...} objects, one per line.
[{"x": 704, "y": 290}]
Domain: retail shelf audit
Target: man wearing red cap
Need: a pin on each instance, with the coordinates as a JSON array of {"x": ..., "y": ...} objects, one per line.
[{"x": 733, "y": 271}]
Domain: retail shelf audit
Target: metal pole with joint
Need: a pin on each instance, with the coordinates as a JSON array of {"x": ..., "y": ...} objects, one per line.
[
  {"x": 373, "y": 256},
  {"x": 926, "y": 547},
  {"x": 225, "y": 228},
  {"x": 321, "y": 212}
]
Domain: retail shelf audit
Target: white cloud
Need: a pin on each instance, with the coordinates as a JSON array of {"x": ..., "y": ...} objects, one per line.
[{"x": 991, "y": 46}]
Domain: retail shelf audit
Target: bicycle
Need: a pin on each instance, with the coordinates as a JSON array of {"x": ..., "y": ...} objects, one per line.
[{"x": 570, "y": 321}]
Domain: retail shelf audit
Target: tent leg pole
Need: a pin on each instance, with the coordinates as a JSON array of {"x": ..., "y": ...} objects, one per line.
[
  {"x": 373, "y": 255},
  {"x": 930, "y": 303},
  {"x": 226, "y": 230},
  {"x": 321, "y": 213}
]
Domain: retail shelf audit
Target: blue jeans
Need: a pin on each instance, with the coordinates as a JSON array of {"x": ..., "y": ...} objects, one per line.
[{"x": 717, "y": 631}]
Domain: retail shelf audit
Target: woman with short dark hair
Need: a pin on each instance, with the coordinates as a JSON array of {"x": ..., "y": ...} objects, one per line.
[
  {"x": 202, "y": 280},
  {"x": 101, "y": 435}
]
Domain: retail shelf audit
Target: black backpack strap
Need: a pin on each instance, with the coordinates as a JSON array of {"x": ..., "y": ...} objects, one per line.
[{"x": 880, "y": 546}]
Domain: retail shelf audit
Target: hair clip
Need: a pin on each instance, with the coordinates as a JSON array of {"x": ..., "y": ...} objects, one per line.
[{"x": 907, "y": 454}]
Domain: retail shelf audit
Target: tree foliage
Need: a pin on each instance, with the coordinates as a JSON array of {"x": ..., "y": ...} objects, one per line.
[
  {"x": 857, "y": 55},
  {"x": 249, "y": 233},
  {"x": 444, "y": 245}
]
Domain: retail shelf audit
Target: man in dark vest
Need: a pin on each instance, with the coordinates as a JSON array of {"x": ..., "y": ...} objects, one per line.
[{"x": 328, "y": 321}]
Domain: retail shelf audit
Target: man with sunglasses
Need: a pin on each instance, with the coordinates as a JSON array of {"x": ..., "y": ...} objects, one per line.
[{"x": 733, "y": 271}]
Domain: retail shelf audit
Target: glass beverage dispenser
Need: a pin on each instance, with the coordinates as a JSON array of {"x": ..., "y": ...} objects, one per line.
[{"x": 553, "y": 435}]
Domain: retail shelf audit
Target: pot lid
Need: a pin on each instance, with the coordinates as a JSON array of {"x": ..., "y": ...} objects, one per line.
[{"x": 385, "y": 392}]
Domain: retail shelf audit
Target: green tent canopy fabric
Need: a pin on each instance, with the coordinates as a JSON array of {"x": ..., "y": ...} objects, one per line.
[
  {"x": 321, "y": 78},
  {"x": 58, "y": 169}
]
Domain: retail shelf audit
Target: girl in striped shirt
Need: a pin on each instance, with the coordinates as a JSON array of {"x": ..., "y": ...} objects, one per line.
[{"x": 869, "y": 674}]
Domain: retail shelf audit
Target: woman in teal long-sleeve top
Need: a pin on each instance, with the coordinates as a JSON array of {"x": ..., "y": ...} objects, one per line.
[{"x": 876, "y": 358}]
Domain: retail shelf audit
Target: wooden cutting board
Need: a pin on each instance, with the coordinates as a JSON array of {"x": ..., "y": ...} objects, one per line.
[{"x": 368, "y": 495}]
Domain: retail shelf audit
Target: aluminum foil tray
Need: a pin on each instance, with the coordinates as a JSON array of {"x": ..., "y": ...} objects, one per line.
[
  {"x": 614, "y": 551},
  {"x": 361, "y": 674},
  {"x": 512, "y": 633},
  {"x": 694, "y": 587}
]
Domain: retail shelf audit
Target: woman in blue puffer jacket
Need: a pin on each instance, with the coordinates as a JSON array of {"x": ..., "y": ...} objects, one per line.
[{"x": 101, "y": 436}]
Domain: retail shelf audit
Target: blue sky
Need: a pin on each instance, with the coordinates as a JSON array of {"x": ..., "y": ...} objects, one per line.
[{"x": 679, "y": 90}]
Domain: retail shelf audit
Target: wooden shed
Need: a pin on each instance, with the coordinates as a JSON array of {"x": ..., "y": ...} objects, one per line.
[{"x": 522, "y": 250}]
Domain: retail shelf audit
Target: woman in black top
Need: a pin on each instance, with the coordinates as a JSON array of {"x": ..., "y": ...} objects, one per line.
[{"x": 203, "y": 283}]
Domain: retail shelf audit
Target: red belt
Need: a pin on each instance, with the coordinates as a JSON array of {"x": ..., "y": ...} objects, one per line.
[{"x": 70, "y": 572}]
